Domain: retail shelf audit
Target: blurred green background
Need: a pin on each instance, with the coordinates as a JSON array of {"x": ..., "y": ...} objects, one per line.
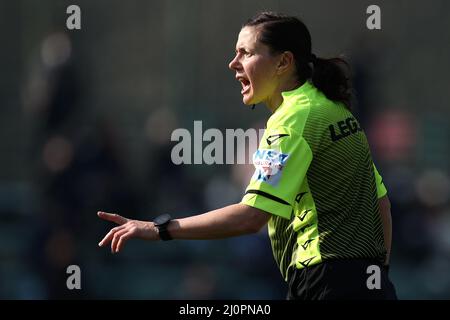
[{"x": 85, "y": 123}]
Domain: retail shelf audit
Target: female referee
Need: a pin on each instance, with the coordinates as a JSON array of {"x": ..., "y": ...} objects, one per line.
[{"x": 315, "y": 184}]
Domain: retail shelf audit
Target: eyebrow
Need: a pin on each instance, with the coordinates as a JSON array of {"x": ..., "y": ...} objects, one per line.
[{"x": 240, "y": 49}]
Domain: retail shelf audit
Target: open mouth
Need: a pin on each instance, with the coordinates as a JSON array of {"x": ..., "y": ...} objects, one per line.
[{"x": 245, "y": 84}]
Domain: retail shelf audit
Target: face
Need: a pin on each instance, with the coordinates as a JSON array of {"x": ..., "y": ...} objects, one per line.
[{"x": 255, "y": 67}]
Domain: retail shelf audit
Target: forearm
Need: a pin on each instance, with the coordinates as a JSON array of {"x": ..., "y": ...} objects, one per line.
[
  {"x": 234, "y": 220},
  {"x": 386, "y": 219}
]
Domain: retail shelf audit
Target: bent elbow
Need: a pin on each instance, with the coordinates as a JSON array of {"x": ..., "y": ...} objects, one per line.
[
  {"x": 257, "y": 221},
  {"x": 255, "y": 227}
]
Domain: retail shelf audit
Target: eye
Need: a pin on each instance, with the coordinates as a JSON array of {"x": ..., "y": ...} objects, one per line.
[
  {"x": 244, "y": 52},
  {"x": 247, "y": 54}
]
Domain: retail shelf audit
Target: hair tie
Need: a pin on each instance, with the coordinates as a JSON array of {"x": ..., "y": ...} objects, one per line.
[{"x": 313, "y": 58}]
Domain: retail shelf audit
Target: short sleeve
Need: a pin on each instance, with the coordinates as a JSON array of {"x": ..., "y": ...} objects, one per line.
[
  {"x": 281, "y": 163},
  {"x": 381, "y": 189}
]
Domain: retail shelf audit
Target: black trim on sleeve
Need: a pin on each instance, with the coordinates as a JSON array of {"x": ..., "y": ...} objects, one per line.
[{"x": 267, "y": 195}]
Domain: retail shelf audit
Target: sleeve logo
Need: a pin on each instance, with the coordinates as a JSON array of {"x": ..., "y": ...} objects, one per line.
[
  {"x": 274, "y": 137},
  {"x": 269, "y": 165}
]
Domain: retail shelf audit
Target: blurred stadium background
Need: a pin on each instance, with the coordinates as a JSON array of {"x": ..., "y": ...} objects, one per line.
[{"x": 85, "y": 125}]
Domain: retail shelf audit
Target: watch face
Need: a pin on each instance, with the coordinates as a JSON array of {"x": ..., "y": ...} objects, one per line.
[{"x": 161, "y": 219}]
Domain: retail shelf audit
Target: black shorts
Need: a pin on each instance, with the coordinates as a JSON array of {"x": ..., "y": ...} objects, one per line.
[{"x": 352, "y": 279}]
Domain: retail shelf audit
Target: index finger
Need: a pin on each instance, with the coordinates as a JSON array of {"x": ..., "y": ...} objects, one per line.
[{"x": 113, "y": 217}]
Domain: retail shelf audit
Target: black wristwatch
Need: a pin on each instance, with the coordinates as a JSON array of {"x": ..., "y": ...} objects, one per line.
[{"x": 161, "y": 222}]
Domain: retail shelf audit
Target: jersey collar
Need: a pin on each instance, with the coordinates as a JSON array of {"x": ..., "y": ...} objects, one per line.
[
  {"x": 290, "y": 97},
  {"x": 302, "y": 89}
]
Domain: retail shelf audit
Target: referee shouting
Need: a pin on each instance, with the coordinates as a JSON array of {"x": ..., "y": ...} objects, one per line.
[{"x": 315, "y": 183}]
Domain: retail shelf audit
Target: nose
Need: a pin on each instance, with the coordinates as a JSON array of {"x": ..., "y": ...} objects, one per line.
[{"x": 234, "y": 64}]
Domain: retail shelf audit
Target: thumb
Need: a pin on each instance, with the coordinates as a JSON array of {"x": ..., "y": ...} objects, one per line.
[{"x": 113, "y": 217}]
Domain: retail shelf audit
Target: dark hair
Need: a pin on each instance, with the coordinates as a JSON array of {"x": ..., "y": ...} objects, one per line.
[{"x": 287, "y": 33}]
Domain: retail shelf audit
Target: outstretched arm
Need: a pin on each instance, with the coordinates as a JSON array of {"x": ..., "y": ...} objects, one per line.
[{"x": 234, "y": 220}]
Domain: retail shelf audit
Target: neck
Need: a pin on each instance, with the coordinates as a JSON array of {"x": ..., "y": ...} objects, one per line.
[{"x": 276, "y": 99}]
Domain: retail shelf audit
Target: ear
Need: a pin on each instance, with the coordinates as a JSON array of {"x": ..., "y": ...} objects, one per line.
[{"x": 285, "y": 62}]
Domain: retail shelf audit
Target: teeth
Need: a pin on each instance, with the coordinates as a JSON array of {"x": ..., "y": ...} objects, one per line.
[
  {"x": 245, "y": 83},
  {"x": 245, "y": 88}
]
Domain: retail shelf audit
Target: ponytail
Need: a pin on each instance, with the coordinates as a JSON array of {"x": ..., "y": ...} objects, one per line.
[{"x": 331, "y": 76}]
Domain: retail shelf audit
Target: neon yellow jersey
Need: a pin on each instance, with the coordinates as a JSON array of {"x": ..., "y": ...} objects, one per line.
[{"x": 315, "y": 175}]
